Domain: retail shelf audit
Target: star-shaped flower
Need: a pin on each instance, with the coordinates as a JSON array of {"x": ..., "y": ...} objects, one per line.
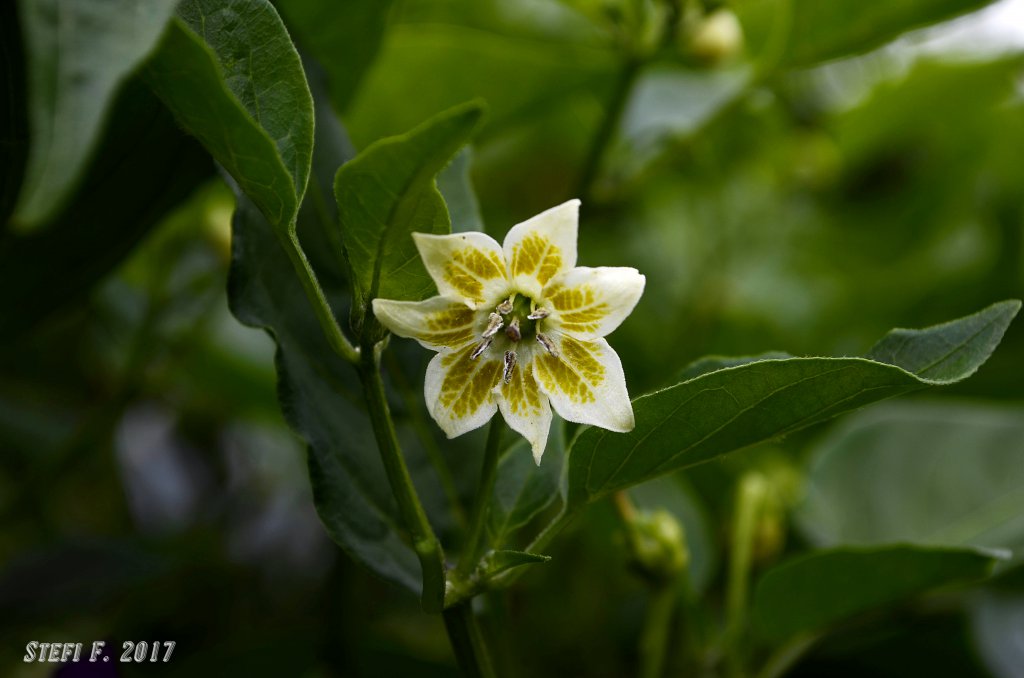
[{"x": 517, "y": 326}]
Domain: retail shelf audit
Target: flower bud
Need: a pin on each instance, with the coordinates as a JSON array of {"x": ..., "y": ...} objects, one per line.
[
  {"x": 718, "y": 38},
  {"x": 657, "y": 544}
]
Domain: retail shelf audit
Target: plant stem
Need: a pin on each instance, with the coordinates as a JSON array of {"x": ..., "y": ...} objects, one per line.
[
  {"x": 478, "y": 516},
  {"x": 606, "y": 130},
  {"x": 414, "y": 518},
  {"x": 749, "y": 499},
  {"x": 468, "y": 641},
  {"x": 654, "y": 637},
  {"x": 423, "y": 431},
  {"x": 315, "y": 294}
]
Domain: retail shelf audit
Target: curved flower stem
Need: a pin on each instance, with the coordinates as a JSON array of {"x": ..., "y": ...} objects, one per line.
[
  {"x": 609, "y": 123},
  {"x": 478, "y": 517},
  {"x": 332, "y": 330},
  {"x": 749, "y": 502},
  {"x": 468, "y": 641},
  {"x": 654, "y": 637},
  {"x": 425, "y": 434},
  {"x": 414, "y": 518}
]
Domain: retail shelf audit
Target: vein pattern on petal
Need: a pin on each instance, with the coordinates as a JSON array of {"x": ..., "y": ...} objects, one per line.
[
  {"x": 458, "y": 389},
  {"x": 585, "y": 383},
  {"x": 524, "y": 408},
  {"x": 541, "y": 247},
  {"x": 591, "y": 302},
  {"x": 465, "y": 266},
  {"x": 436, "y": 323}
]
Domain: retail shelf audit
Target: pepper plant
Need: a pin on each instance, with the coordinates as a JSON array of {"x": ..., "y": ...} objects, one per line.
[{"x": 118, "y": 110}]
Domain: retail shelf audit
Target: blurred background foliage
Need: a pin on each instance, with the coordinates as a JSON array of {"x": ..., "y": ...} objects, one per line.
[{"x": 789, "y": 175}]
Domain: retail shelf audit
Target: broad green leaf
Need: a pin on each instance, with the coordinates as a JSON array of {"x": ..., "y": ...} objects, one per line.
[
  {"x": 523, "y": 488},
  {"x": 319, "y": 392},
  {"x": 78, "y": 54},
  {"x": 675, "y": 495},
  {"x": 342, "y": 36},
  {"x": 736, "y": 407},
  {"x": 144, "y": 168},
  {"x": 803, "y": 32},
  {"x": 928, "y": 473},
  {"x": 823, "y": 588},
  {"x": 231, "y": 76},
  {"x": 387, "y": 192}
]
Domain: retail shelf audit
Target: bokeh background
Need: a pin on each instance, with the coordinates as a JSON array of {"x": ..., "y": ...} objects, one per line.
[{"x": 800, "y": 183}]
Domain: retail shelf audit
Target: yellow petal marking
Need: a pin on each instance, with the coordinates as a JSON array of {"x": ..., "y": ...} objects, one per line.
[
  {"x": 522, "y": 394},
  {"x": 579, "y": 309},
  {"x": 576, "y": 372},
  {"x": 535, "y": 255},
  {"x": 452, "y": 327},
  {"x": 469, "y": 268},
  {"x": 467, "y": 382}
]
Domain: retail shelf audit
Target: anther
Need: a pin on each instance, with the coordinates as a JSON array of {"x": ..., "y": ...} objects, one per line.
[
  {"x": 510, "y": 364},
  {"x": 512, "y": 331},
  {"x": 504, "y": 307},
  {"x": 538, "y": 314},
  {"x": 480, "y": 349},
  {"x": 494, "y": 323},
  {"x": 547, "y": 344}
]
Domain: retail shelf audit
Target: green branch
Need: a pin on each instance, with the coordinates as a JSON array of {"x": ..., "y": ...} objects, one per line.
[
  {"x": 317, "y": 299},
  {"x": 410, "y": 509}
]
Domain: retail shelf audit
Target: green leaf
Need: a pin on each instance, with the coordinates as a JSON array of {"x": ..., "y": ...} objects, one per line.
[
  {"x": 822, "y": 588},
  {"x": 523, "y": 488},
  {"x": 811, "y": 31},
  {"x": 496, "y": 562},
  {"x": 319, "y": 392},
  {"x": 387, "y": 192},
  {"x": 736, "y": 407},
  {"x": 927, "y": 473},
  {"x": 231, "y": 76},
  {"x": 948, "y": 352},
  {"x": 343, "y": 36},
  {"x": 78, "y": 54},
  {"x": 144, "y": 168}
]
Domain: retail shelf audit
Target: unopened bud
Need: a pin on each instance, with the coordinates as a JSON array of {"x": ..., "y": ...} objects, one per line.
[
  {"x": 718, "y": 38},
  {"x": 658, "y": 545}
]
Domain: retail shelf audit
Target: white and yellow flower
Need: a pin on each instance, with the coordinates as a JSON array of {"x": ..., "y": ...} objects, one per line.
[{"x": 518, "y": 326}]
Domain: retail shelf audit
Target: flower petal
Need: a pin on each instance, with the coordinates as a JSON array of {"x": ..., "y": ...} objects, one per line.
[
  {"x": 541, "y": 247},
  {"x": 588, "y": 303},
  {"x": 436, "y": 323},
  {"x": 469, "y": 267},
  {"x": 458, "y": 389},
  {"x": 585, "y": 383},
  {"x": 524, "y": 408}
]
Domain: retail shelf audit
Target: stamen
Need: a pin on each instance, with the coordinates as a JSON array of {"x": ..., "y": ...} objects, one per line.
[
  {"x": 480, "y": 349},
  {"x": 494, "y": 323},
  {"x": 547, "y": 344},
  {"x": 512, "y": 331},
  {"x": 510, "y": 364},
  {"x": 504, "y": 307},
  {"x": 539, "y": 314}
]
